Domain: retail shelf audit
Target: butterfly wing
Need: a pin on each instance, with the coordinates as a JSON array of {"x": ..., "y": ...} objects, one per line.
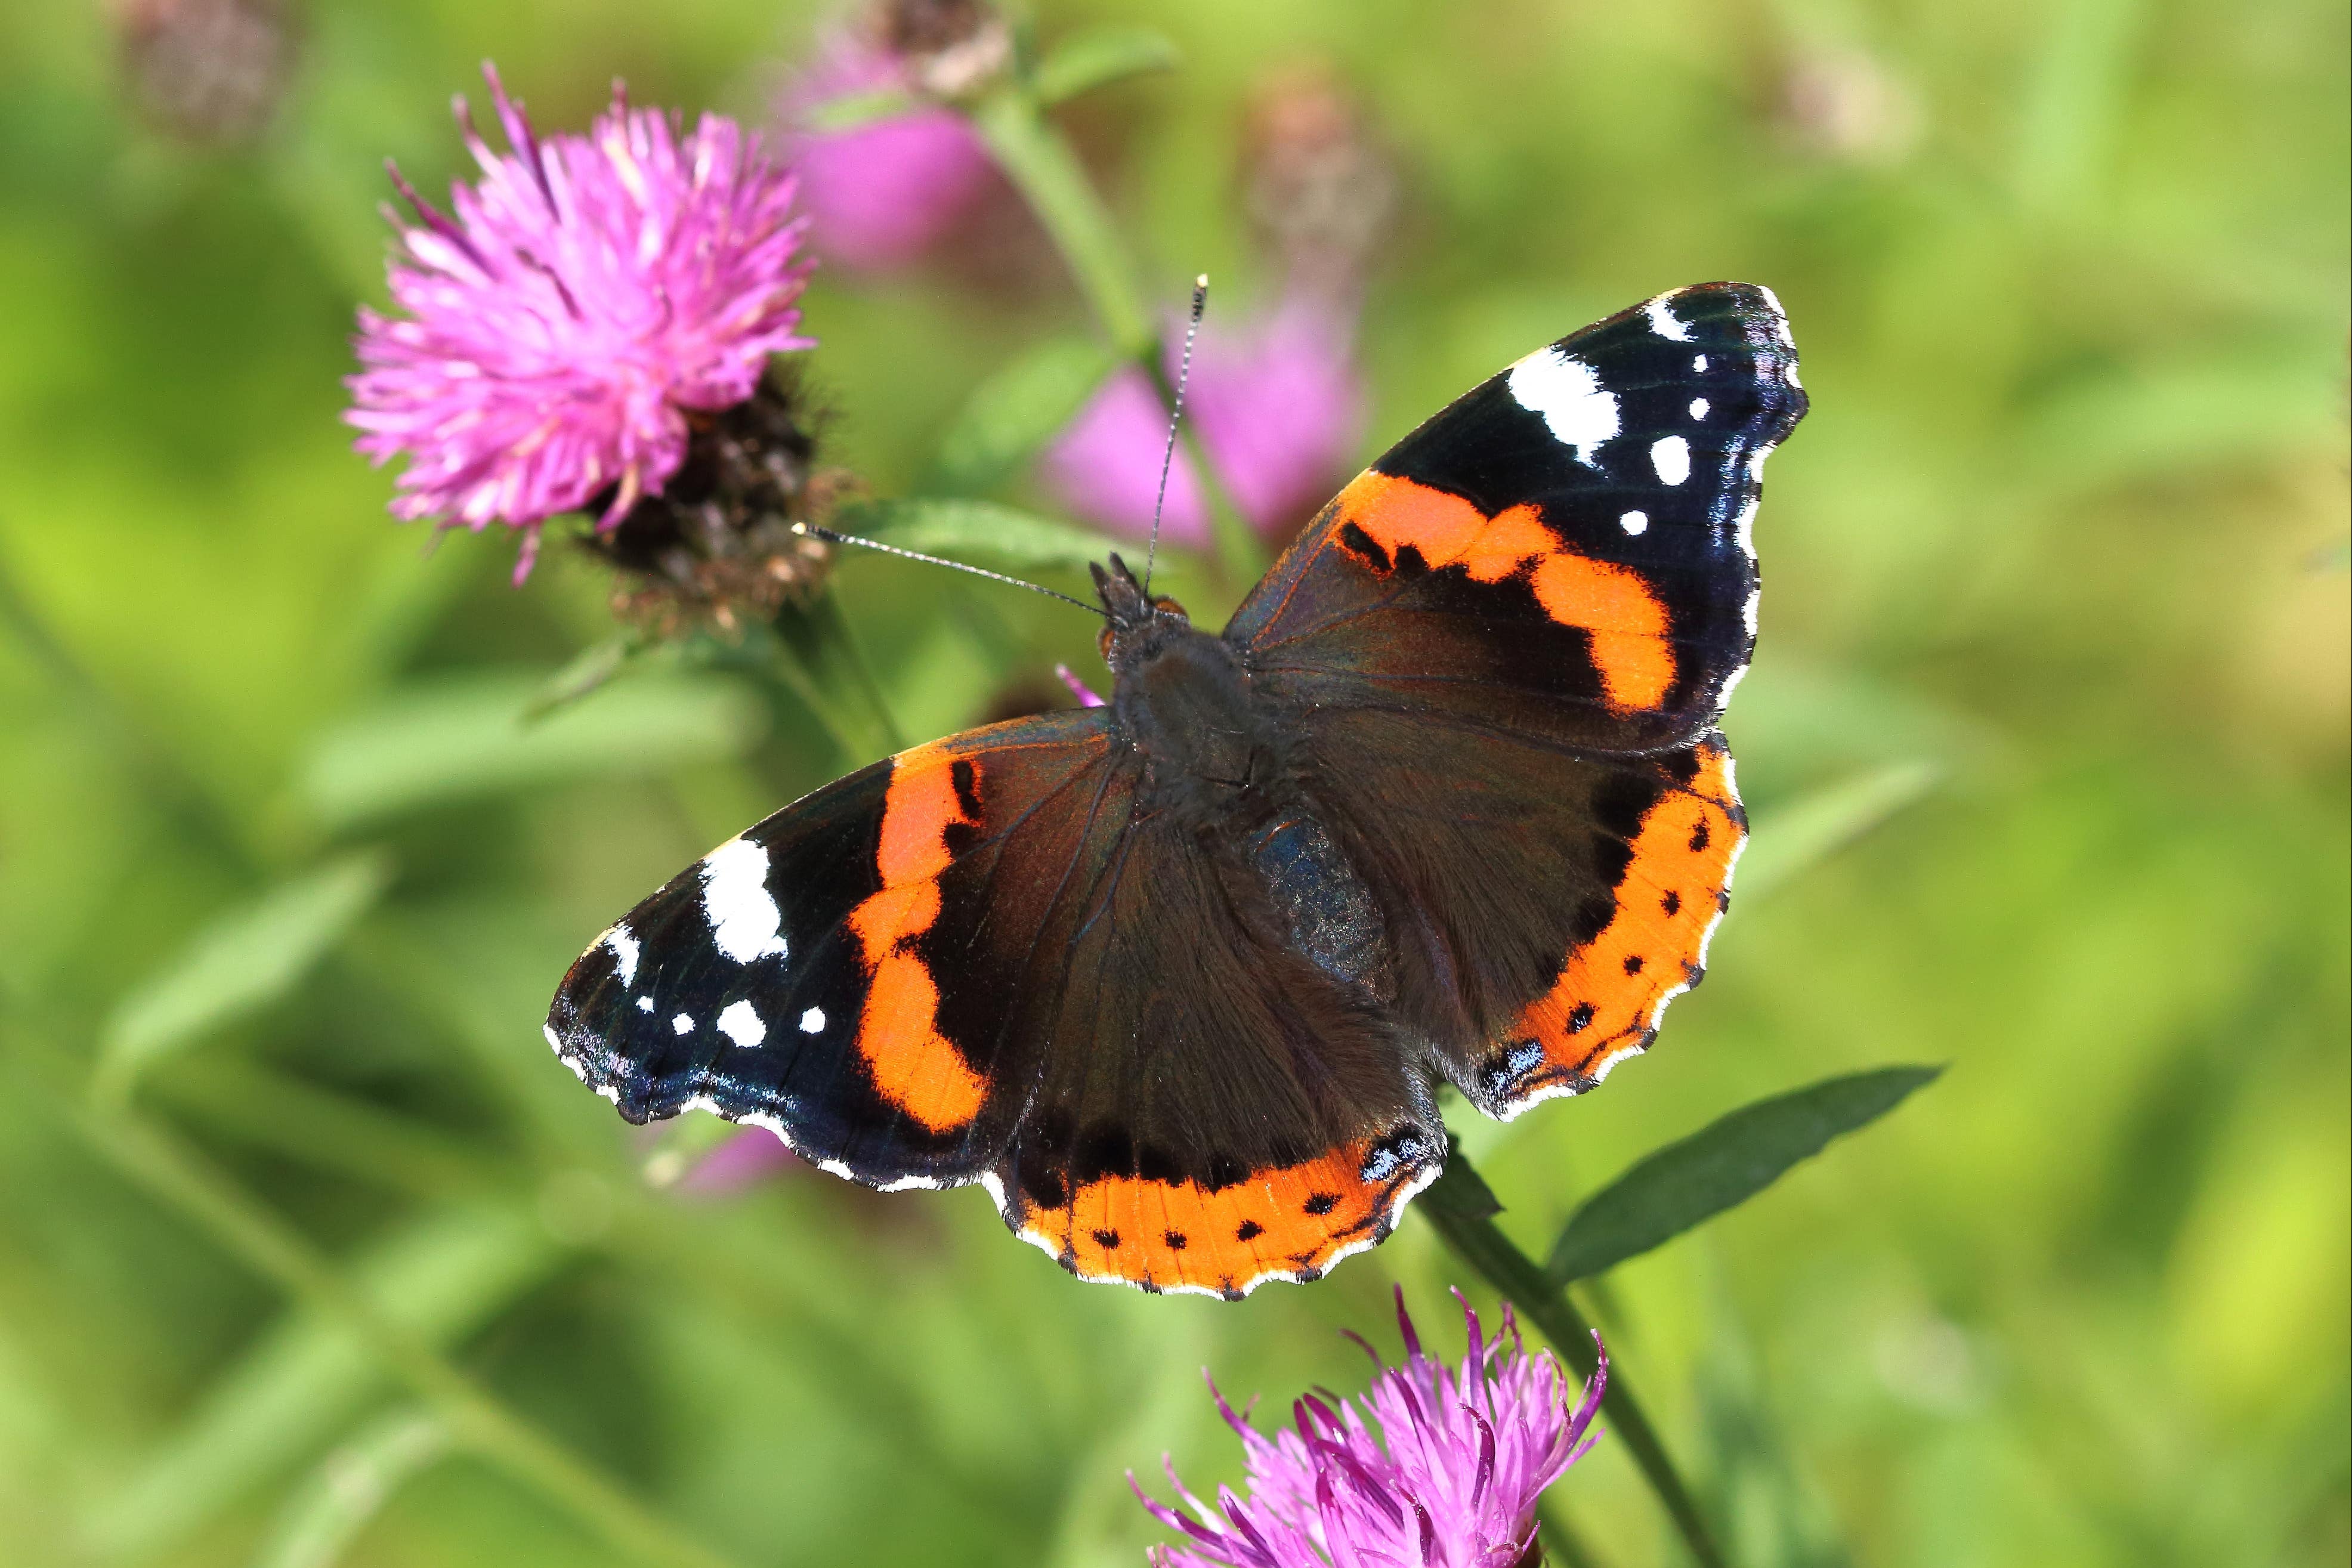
[
  {"x": 1564, "y": 550},
  {"x": 1504, "y": 648},
  {"x": 1216, "y": 1109},
  {"x": 806, "y": 977},
  {"x": 978, "y": 961}
]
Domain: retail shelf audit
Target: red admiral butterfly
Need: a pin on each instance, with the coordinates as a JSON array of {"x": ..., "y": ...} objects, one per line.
[{"x": 1175, "y": 979}]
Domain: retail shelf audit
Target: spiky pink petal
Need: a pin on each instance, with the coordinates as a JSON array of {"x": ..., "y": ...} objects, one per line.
[{"x": 1434, "y": 1466}]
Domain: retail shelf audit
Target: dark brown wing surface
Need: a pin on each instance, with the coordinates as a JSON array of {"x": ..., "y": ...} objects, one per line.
[{"x": 1504, "y": 647}]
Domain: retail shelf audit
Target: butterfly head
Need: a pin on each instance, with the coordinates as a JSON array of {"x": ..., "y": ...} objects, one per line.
[{"x": 1137, "y": 625}]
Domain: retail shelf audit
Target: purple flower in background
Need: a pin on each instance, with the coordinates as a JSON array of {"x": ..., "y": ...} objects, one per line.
[
  {"x": 1278, "y": 409},
  {"x": 574, "y": 306},
  {"x": 749, "y": 1157},
  {"x": 878, "y": 195},
  {"x": 1433, "y": 1467}
]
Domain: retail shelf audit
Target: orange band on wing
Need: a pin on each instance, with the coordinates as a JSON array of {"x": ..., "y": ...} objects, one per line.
[
  {"x": 914, "y": 1066},
  {"x": 1287, "y": 1220},
  {"x": 1622, "y": 616},
  {"x": 1606, "y": 1001}
]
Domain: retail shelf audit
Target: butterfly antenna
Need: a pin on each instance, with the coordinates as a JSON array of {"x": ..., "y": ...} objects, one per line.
[
  {"x": 1175, "y": 416},
  {"x": 832, "y": 537}
]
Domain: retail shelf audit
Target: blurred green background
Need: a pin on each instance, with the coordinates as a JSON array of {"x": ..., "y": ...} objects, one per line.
[{"x": 2065, "y": 535}]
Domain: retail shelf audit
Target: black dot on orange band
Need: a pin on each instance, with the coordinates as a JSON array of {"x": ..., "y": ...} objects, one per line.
[
  {"x": 1107, "y": 1239},
  {"x": 1363, "y": 544},
  {"x": 1251, "y": 1230},
  {"x": 1177, "y": 1240},
  {"x": 1671, "y": 904},
  {"x": 1634, "y": 965},
  {"x": 1699, "y": 836},
  {"x": 1579, "y": 1016},
  {"x": 1323, "y": 1203}
]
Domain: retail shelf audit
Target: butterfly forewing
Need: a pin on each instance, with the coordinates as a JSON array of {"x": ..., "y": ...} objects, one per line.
[
  {"x": 1564, "y": 550},
  {"x": 809, "y": 977}
]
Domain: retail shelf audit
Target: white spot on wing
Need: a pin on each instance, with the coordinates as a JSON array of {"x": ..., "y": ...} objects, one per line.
[
  {"x": 745, "y": 923},
  {"x": 740, "y": 1022},
  {"x": 1664, "y": 321},
  {"x": 1698, "y": 363},
  {"x": 1670, "y": 455},
  {"x": 1698, "y": 408},
  {"x": 1634, "y": 522},
  {"x": 1580, "y": 412},
  {"x": 683, "y": 1023},
  {"x": 812, "y": 1020},
  {"x": 645, "y": 1004},
  {"x": 624, "y": 944}
]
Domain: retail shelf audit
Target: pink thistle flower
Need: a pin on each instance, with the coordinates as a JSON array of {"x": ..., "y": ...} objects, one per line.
[
  {"x": 572, "y": 309},
  {"x": 1278, "y": 408},
  {"x": 879, "y": 195},
  {"x": 1434, "y": 1466}
]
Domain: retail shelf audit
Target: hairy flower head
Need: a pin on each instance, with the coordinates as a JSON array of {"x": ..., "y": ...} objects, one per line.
[
  {"x": 557, "y": 328},
  {"x": 1434, "y": 1466}
]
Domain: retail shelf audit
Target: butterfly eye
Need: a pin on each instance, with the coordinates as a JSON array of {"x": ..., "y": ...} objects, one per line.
[
  {"x": 1104, "y": 643},
  {"x": 1165, "y": 603}
]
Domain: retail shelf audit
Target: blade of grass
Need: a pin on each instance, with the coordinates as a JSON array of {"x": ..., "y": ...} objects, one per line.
[
  {"x": 1788, "y": 840},
  {"x": 184, "y": 1180},
  {"x": 239, "y": 963}
]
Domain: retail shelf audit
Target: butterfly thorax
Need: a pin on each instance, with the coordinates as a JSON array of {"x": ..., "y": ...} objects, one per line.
[{"x": 1182, "y": 699}]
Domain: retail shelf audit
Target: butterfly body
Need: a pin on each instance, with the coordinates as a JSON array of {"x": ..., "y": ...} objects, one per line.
[{"x": 1177, "y": 978}]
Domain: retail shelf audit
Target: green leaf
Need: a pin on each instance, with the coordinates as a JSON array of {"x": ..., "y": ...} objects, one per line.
[
  {"x": 855, "y": 110},
  {"x": 1723, "y": 1165},
  {"x": 428, "y": 746},
  {"x": 1015, "y": 411},
  {"x": 239, "y": 963},
  {"x": 306, "y": 1379},
  {"x": 1099, "y": 58},
  {"x": 1789, "y": 840},
  {"x": 976, "y": 531}
]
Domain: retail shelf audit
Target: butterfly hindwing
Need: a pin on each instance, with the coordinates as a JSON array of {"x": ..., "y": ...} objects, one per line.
[{"x": 1216, "y": 1107}]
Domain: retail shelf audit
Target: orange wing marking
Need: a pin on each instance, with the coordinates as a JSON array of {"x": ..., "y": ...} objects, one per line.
[
  {"x": 1290, "y": 1220},
  {"x": 1625, "y": 621},
  {"x": 914, "y": 1066},
  {"x": 1610, "y": 993}
]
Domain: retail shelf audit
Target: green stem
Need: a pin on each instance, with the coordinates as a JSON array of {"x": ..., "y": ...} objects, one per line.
[
  {"x": 834, "y": 627},
  {"x": 789, "y": 669},
  {"x": 1479, "y": 1242},
  {"x": 185, "y": 1179},
  {"x": 1047, "y": 174},
  {"x": 1037, "y": 159}
]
